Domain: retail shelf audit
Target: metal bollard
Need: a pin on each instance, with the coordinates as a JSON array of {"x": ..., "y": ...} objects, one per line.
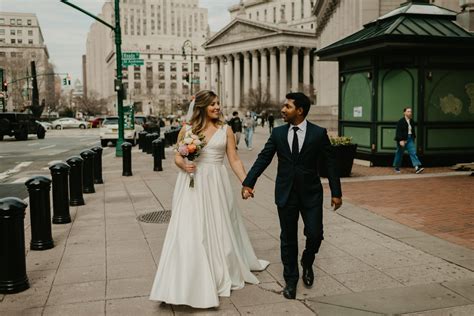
[
  {"x": 157, "y": 163},
  {"x": 75, "y": 181},
  {"x": 13, "y": 278},
  {"x": 40, "y": 213},
  {"x": 167, "y": 139},
  {"x": 60, "y": 175},
  {"x": 127, "y": 159},
  {"x": 141, "y": 139},
  {"x": 162, "y": 148},
  {"x": 148, "y": 141},
  {"x": 98, "y": 165},
  {"x": 88, "y": 171}
]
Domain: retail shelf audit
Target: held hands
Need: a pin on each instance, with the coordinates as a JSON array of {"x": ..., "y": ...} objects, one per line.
[
  {"x": 189, "y": 167},
  {"x": 247, "y": 192},
  {"x": 336, "y": 202}
]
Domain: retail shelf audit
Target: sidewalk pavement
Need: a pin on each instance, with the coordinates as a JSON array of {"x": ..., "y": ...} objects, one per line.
[{"x": 104, "y": 262}]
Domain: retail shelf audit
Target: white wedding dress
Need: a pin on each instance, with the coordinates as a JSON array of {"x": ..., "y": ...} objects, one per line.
[{"x": 207, "y": 251}]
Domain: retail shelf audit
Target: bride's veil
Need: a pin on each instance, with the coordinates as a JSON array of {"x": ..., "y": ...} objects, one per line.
[{"x": 190, "y": 111}]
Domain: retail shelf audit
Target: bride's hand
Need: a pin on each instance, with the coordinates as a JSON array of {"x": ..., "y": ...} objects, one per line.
[{"x": 190, "y": 167}]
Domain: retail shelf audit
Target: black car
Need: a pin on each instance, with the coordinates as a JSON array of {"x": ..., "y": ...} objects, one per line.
[{"x": 20, "y": 125}]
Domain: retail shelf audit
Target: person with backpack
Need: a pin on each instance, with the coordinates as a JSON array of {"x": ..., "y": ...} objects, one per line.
[{"x": 236, "y": 124}]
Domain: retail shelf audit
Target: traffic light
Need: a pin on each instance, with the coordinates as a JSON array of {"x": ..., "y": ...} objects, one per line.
[
  {"x": 4, "y": 86},
  {"x": 68, "y": 80},
  {"x": 64, "y": 81}
]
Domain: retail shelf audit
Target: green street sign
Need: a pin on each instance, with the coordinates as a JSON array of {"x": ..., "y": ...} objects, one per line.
[
  {"x": 132, "y": 62},
  {"x": 130, "y": 55},
  {"x": 128, "y": 117},
  {"x": 195, "y": 81}
]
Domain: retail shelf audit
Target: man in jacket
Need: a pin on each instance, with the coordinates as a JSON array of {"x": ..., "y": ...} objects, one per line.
[
  {"x": 298, "y": 190},
  {"x": 405, "y": 138}
]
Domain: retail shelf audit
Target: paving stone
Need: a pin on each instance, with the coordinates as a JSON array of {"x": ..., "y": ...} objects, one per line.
[
  {"x": 322, "y": 309},
  {"x": 367, "y": 280},
  {"x": 466, "y": 310},
  {"x": 77, "y": 293},
  {"x": 415, "y": 275},
  {"x": 342, "y": 265},
  {"x": 252, "y": 295},
  {"x": 284, "y": 308},
  {"x": 136, "y": 306},
  {"x": 28, "y": 299},
  {"x": 78, "y": 309},
  {"x": 123, "y": 288},
  {"x": 80, "y": 274},
  {"x": 131, "y": 270},
  {"x": 41, "y": 278},
  {"x": 462, "y": 287},
  {"x": 225, "y": 308}
]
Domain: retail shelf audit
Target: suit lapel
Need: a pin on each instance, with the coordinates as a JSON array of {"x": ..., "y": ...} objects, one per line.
[
  {"x": 306, "y": 137},
  {"x": 284, "y": 137}
]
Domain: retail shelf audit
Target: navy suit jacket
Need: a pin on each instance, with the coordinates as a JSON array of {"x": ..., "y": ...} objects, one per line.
[{"x": 303, "y": 171}]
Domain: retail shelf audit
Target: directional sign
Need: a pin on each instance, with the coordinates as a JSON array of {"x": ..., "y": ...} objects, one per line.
[
  {"x": 132, "y": 62},
  {"x": 130, "y": 55},
  {"x": 195, "y": 81}
]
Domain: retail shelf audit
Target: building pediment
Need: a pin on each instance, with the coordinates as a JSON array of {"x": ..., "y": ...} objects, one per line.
[{"x": 239, "y": 30}]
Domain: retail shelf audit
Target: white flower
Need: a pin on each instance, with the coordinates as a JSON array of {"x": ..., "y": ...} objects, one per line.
[
  {"x": 188, "y": 140},
  {"x": 197, "y": 142},
  {"x": 194, "y": 136}
]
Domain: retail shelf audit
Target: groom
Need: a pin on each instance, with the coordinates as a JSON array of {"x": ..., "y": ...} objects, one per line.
[{"x": 298, "y": 144}]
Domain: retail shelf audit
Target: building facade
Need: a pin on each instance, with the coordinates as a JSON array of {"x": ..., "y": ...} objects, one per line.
[
  {"x": 267, "y": 49},
  {"x": 157, "y": 30},
  {"x": 21, "y": 41}
]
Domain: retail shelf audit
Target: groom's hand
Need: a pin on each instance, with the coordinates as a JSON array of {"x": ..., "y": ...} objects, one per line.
[
  {"x": 247, "y": 192},
  {"x": 336, "y": 202}
]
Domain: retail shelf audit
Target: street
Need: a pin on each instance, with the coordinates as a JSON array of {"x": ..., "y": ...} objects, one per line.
[{"x": 21, "y": 159}]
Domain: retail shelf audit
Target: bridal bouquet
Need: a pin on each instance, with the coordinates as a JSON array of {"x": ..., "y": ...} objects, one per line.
[{"x": 189, "y": 148}]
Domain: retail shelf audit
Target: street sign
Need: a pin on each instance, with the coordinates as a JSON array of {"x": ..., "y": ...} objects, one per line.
[
  {"x": 195, "y": 81},
  {"x": 130, "y": 55},
  {"x": 132, "y": 62},
  {"x": 128, "y": 117}
]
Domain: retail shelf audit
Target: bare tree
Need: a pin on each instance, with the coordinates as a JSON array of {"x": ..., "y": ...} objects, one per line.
[
  {"x": 91, "y": 105},
  {"x": 259, "y": 100}
]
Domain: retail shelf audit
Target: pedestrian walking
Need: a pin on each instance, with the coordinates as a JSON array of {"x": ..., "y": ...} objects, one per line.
[
  {"x": 405, "y": 137},
  {"x": 271, "y": 122},
  {"x": 236, "y": 125},
  {"x": 249, "y": 125}
]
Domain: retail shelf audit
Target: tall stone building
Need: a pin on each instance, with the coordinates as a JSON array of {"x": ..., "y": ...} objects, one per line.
[
  {"x": 157, "y": 29},
  {"x": 21, "y": 41}
]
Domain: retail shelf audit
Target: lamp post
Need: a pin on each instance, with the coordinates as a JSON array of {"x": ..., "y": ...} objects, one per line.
[
  {"x": 188, "y": 43},
  {"x": 118, "y": 57}
]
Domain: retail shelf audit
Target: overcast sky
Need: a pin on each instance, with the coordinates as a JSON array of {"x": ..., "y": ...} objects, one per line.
[{"x": 65, "y": 29}]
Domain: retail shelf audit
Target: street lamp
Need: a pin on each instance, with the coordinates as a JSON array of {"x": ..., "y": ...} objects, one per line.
[
  {"x": 189, "y": 44},
  {"x": 118, "y": 57}
]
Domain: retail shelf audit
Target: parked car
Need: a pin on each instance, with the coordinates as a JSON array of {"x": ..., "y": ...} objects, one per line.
[
  {"x": 46, "y": 125},
  {"x": 96, "y": 122},
  {"x": 20, "y": 125},
  {"x": 109, "y": 131},
  {"x": 69, "y": 122}
]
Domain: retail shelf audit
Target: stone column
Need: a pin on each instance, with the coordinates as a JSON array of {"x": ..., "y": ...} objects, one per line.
[
  {"x": 315, "y": 76},
  {"x": 255, "y": 69},
  {"x": 273, "y": 74},
  {"x": 214, "y": 74},
  {"x": 237, "y": 80},
  {"x": 283, "y": 73},
  {"x": 246, "y": 73},
  {"x": 306, "y": 70},
  {"x": 208, "y": 74},
  {"x": 294, "y": 69},
  {"x": 229, "y": 79},
  {"x": 264, "y": 70},
  {"x": 221, "y": 81}
]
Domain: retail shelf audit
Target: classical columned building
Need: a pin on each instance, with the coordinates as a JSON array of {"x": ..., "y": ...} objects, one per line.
[{"x": 254, "y": 57}]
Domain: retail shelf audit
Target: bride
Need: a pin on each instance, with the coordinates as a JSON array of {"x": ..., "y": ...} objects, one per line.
[{"x": 206, "y": 252}]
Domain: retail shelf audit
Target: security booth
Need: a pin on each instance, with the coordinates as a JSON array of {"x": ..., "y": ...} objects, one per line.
[{"x": 415, "y": 56}]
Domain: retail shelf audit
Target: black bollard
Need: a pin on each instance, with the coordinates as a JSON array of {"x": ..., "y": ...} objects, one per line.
[
  {"x": 98, "y": 165},
  {"x": 88, "y": 171},
  {"x": 167, "y": 139},
  {"x": 157, "y": 163},
  {"x": 162, "y": 148},
  {"x": 60, "y": 174},
  {"x": 40, "y": 213},
  {"x": 141, "y": 139},
  {"x": 13, "y": 278},
  {"x": 127, "y": 159},
  {"x": 75, "y": 181},
  {"x": 148, "y": 141}
]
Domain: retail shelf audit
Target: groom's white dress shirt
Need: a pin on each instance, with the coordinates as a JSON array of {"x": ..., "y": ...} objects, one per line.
[{"x": 301, "y": 134}]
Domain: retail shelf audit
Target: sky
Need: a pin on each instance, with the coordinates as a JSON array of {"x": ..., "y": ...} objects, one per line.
[{"x": 65, "y": 29}]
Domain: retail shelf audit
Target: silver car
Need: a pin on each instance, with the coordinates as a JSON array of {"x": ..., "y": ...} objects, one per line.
[{"x": 69, "y": 122}]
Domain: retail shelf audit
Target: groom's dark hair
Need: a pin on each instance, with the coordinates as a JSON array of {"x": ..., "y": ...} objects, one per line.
[{"x": 300, "y": 100}]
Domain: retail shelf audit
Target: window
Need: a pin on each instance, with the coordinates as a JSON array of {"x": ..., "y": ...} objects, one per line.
[
  {"x": 12, "y": 32},
  {"x": 161, "y": 66},
  {"x": 136, "y": 68},
  {"x": 250, "y": 16},
  {"x": 265, "y": 15},
  {"x": 19, "y": 32},
  {"x": 173, "y": 67},
  {"x": 161, "y": 85},
  {"x": 258, "y": 15},
  {"x": 302, "y": 9},
  {"x": 196, "y": 67},
  {"x": 125, "y": 73},
  {"x": 137, "y": 86},
  {"x": 137, "y": 75},
  {"x": 2, "y": 21},
  {"x": 13, "y": 54},
  {"x": 184, "y": 67},
  {"x": 19, "y": 55},
  {"x": 30, "y": 41},
  {"x": 20, "y": 41},
  {"x": 30, "y": 32},
  {"x": 161, "y": 76},
  {"x": 28, "y": 22},
  {"x": 13, "y": 41},
  {"x": 2, "y": 31},
  {"x": 274, "y": 15},
  {"x": 173, "y": 76},
  {"x": 19, "y": 22},
  {"x": 148, "y": 47},
  {"x": 174, "y": 85},
  {"x": 12, "y": 21},
  {"x": 2, "y": 54},
  {"x": 2, "y": 40},
  {"x": 292, "y": 11}
]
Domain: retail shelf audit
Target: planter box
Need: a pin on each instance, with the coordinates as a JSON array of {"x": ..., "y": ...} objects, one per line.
[{"x": 344, "y": 159}]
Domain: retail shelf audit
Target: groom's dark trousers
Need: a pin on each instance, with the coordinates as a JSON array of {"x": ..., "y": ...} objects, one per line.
[{"x": 298, "y": 190}]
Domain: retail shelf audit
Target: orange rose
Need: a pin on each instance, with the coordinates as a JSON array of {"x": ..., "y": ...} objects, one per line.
[{"x": 192, "y": 148}]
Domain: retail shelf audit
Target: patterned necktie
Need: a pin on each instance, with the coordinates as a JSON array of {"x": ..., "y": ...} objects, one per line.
[{"x": 295, "y": 148}]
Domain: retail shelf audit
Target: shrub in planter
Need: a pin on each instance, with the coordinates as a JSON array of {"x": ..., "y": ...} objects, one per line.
[{"x": 344, "y": 152}]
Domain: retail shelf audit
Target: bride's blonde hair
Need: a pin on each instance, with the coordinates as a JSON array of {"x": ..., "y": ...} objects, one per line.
[{"x": 202, "y": 100}]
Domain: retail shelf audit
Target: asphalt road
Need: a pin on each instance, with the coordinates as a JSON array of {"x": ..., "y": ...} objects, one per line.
[{"x": 20, "y": 160}]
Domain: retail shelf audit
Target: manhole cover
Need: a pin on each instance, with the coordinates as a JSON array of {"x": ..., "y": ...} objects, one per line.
[{"x": 158, "y": 217}]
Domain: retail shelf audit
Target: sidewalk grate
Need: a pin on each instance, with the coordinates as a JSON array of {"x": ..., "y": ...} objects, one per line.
[{"x": 157, "y": 217}]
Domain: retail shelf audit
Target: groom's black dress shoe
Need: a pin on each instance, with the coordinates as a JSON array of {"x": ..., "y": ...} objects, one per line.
[
  {"x": 289, "y": 292},
  {"x": 308, "y": 275}
]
